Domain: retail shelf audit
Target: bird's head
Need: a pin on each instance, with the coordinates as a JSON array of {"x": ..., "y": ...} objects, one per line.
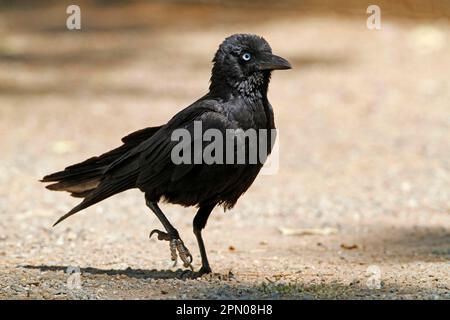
[{"x": 244, "y": 63}]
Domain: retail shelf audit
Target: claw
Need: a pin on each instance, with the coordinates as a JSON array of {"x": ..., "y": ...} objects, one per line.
[
  {"x": 184, "y": 254},
  {"x": 161, "y": 235},
  {"x": 175, "y": 244},
  {"x": 173, "y": 251}
]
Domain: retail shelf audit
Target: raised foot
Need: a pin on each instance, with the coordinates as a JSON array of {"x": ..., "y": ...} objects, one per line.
[{"x": 175, "y": 244}]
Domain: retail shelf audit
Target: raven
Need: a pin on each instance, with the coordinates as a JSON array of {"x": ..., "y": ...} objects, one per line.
[{"x": 237, "y": 99}]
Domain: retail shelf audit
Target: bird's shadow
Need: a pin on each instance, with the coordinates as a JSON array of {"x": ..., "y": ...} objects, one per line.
[{"x": 129, "y": 272}]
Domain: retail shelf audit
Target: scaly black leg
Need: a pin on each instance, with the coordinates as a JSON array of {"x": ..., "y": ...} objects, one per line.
[
  {"x": 172, "y": 236},
  {"x": 199, "y": 223}
]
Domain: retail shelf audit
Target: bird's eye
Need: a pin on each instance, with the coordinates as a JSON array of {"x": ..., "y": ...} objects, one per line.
[{"x": 246, "y": 56}]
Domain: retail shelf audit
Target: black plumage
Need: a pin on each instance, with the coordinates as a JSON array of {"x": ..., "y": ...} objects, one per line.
[{"x": 237, "y": 99}]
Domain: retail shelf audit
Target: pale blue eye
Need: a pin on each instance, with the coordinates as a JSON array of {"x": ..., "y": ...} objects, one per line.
[{"x": 246, "y": 56}]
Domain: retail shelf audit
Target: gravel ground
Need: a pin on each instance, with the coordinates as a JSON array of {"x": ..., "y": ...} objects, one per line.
[{"x": 360, "y": 205}]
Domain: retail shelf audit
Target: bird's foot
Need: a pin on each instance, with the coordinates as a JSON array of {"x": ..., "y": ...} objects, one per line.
[
  {"x": 175, "y": 244},
  {"x": 191, "y": 274},
  {"x": 204, "y": 270}
]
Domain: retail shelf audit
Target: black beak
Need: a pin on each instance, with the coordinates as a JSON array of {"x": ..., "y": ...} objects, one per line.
[{"x": 273, "y": 62}]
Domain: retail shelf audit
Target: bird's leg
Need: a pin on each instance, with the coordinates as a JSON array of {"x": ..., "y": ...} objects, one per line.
[
  {"x": 199, "y": 223},
  {"x": 171, "y": 235}
]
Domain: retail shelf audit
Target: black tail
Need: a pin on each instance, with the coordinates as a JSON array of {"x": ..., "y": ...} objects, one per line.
[
  {"x": 86, "y": 179},
  {"x": 105, "y": 189}
]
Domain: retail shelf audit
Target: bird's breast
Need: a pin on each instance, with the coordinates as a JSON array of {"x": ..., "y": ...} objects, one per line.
[{"x": 250, "y": 114}]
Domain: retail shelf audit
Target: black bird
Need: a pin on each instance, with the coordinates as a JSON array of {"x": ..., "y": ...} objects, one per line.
[{"x": 237, "y": 99}]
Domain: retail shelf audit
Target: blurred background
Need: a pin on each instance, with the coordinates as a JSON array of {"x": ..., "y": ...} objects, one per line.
[{"x": 364, "y": 122}]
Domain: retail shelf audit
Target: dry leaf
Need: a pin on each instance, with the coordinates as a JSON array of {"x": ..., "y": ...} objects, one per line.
[{"x": 349, "y": 247}]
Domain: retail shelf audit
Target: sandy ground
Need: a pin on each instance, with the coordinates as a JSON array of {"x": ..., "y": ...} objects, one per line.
[{"x": 364, "y": 159}]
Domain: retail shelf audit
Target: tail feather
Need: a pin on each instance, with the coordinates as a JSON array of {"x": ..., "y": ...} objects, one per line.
[
  {"x": 82, "y": 178},
  {"x": 89, "y": 179},
  {"x": 105, "y": 190},
  {"x": 81, "y": 194},
  {"x": 75, "y": 186},
  {"x": 86, "y": 175}
]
